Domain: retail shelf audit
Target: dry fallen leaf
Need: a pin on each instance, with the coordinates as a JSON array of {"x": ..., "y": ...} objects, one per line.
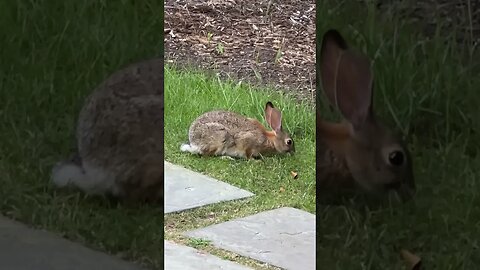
[
  {"x": 294, "y": 174},
  {"x": 282, "y": 189},
  {"x": 413, "y": 261}
]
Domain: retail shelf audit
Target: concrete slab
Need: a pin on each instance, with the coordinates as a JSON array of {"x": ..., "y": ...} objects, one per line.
[
  {"x": 179, "y": 257},
  {"x": 22, "y": 248},
  {"x": 282, "y": 237},
  {"x": 185, "y": 189}
]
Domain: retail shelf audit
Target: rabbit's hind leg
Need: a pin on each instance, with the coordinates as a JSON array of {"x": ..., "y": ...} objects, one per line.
[{"x": 217, "y": 143}]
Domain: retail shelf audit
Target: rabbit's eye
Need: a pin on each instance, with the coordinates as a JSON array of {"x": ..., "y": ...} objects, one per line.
[
  {"x": 396, "y": 158},
  {"x": 289, "y": 141}
]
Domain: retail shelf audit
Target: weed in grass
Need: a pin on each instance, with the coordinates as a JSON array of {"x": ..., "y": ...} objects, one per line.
[{"x": 198, "y": 243}]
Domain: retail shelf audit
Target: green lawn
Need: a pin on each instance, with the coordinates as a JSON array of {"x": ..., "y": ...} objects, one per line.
[
  {"x": 190, "y": 93},
  {"x": 430, "y": 90},
  {"x": 52, "y": 55}
]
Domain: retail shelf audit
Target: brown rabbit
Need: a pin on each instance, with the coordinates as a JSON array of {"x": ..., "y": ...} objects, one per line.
[
  {"x": 224, "y": 133},
  {"x": 360, "y": 151},
  {"x": 120, "y": 137}
]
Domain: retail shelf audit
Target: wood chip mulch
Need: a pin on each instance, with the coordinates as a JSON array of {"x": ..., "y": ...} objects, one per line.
[{"x": 260, "y": 42}]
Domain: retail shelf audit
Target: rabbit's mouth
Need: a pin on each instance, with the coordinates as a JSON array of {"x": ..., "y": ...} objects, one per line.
[
  {"x": 404, "y": 191},
  {"x": 393, "y": 185}
]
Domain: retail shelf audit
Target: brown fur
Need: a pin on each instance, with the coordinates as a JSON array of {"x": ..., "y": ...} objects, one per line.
[{"x": 147, "y": 181}]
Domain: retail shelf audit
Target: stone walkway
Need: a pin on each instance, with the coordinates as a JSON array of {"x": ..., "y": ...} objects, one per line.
[
  {"x": 179, "y": 257},
  {"x": 185, "y": 189},
  {"x": 282, "y": 237},
  {"x": 23, "y": 248}
]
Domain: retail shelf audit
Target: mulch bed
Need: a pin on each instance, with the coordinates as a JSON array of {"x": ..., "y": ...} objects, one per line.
[{"x": 260, "y": 42}]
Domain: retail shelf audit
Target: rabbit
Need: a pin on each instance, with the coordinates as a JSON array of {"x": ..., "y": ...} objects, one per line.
[
  {"x": 358, "y": 153},
  {"x": 228, "y": 134},
  {"x": 120, "y": 137}
]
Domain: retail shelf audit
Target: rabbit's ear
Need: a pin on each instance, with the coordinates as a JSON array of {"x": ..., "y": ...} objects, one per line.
[
  {"x": 354, "y": 88},
  {"x": 333, "y": 46},
  {"x": 273, "y": 117},
  {"x": 346, "y": 79}
]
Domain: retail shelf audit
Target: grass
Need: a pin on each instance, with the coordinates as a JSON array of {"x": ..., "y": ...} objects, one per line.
[
  {"x": 427, "y": 89},
  {"x": 269, "y": 179},
  {"x": 53, "y": 54}
]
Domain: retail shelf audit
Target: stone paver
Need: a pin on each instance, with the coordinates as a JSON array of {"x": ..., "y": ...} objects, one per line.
[
  {"x": 22, "y": 248},
  {"x": 179, "y": 257},
  {"x": 185, "y": 189},
  {"x": 283, "y": 237}
]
